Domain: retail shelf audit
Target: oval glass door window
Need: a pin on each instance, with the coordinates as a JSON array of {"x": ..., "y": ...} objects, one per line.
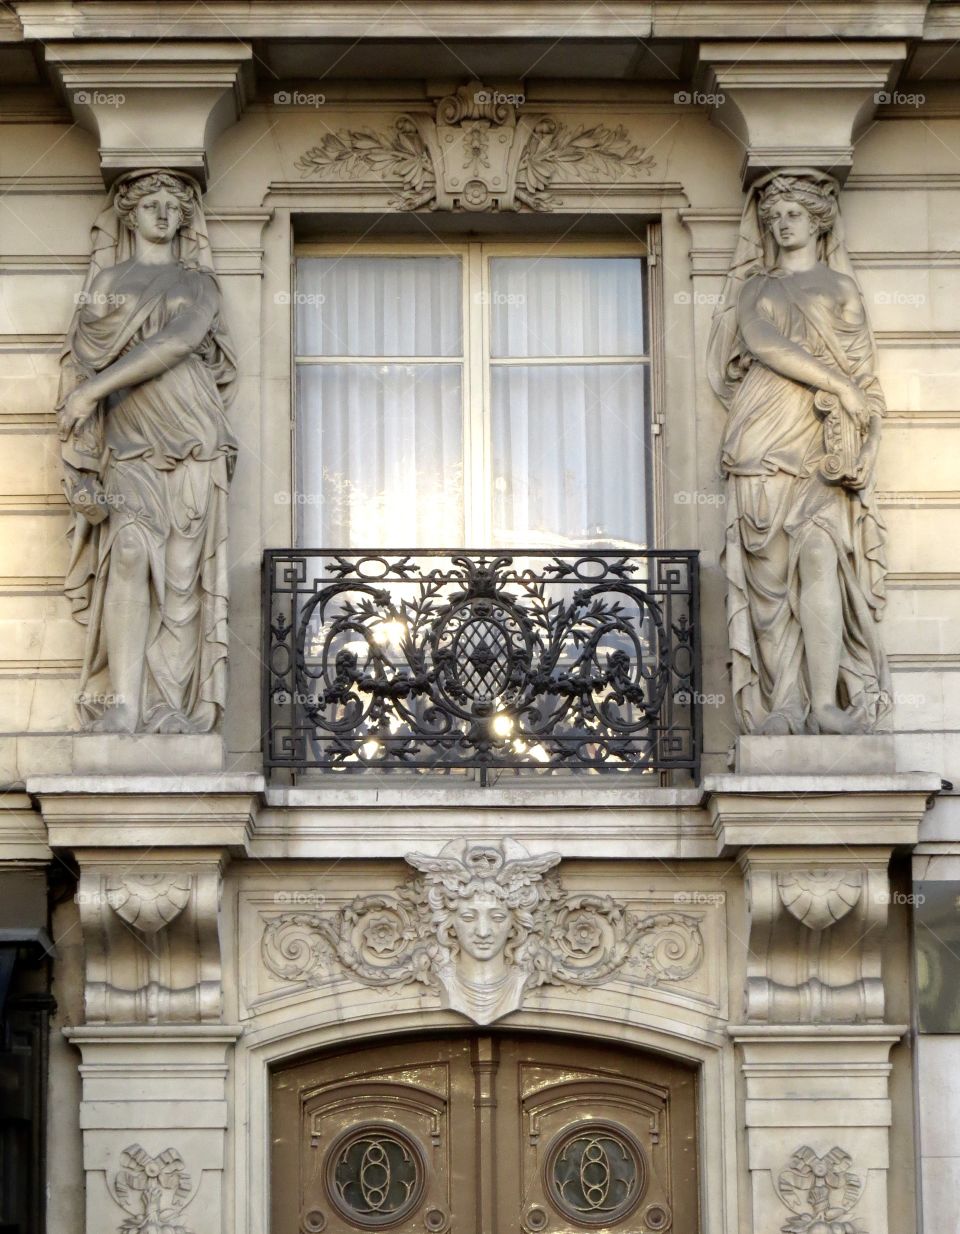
[
  {"x": 595, "y": 1174},
  {"x": 375, "y": 1176}
]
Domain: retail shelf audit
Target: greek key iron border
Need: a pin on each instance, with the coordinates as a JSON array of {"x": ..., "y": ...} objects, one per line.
[{"x": 481, "y": 659}]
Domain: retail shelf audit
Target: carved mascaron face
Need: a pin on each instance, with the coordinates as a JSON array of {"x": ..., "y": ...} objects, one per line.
[
  {"x": 158, "y": 216},
  {"x": 482, "y": 924},
  {"x": 790, "y": 223}
]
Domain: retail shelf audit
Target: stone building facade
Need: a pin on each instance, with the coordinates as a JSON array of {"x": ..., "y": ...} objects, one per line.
[{"x": 596, "y": 869}]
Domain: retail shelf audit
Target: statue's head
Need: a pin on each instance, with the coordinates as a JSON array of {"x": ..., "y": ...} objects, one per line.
[
  {"x": 483, "y": 897},
  {"x": 155, "y": 205},
  {"x": 795, "y": 206}
]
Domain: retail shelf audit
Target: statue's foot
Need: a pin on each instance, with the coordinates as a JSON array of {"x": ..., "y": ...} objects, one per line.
[
  {"x": 833, "y": 719},
  {"x": 115, "y": 720},
  {"x": 201, "y": 721},
  {"x": 775, "y": 725}
]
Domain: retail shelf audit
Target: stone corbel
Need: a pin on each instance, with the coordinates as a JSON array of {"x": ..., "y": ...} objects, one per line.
[
  {"x": 816, "y": 933},
  {"x": 151, "y": 940},
  {"x": 796, "y": 104},
  {"x": 153, "y": 104}
]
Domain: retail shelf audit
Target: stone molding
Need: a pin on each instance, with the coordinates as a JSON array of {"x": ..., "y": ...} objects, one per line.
[
  {"x": 761, "y": 811},
  {"x": 212, "y": 811},
  {"x": 796, "y": 103},
  {"x": 153, "y": 104},
  {"x": 478, "y": 150}
]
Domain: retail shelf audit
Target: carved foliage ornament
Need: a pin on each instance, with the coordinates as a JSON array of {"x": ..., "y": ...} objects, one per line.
[
  {"x": 153, "y": 1191},
  {"x": 820, "y": 1192},
  {"x": 479, "y": 927},
  {"x": 478, "y": 151}
]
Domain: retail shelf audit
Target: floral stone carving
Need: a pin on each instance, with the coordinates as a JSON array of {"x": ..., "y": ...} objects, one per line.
[
  {"x": 479, "y": 926},
  {"x": 478, "y": 151},
  {"x": 152, "y": 1190},
  {"x": 149, "y": 901},
  {"x": 818, "y": 898},
  {"x": 820, "y": 1191}
]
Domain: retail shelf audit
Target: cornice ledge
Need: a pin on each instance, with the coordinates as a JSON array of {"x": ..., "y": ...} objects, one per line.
[
  {"x": 159, "y": 104},
  {"x": 799, "y": 102}
]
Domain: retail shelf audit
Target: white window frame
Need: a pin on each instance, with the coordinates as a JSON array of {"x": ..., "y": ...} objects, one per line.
[{"x": 476, "y": 361}]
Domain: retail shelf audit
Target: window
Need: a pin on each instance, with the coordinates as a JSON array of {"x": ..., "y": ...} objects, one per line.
[{"x": 476, "y": 394}]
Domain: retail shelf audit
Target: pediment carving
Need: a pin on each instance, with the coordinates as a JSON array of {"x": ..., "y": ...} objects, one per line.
[
  {"x": 479, "y": 149},
  {"x": 480, "y": 925}
]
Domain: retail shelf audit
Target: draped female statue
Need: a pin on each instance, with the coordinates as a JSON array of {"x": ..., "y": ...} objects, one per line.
[
  {"x": 792, "y": 358},
  {"x": 148, "y": 457}
]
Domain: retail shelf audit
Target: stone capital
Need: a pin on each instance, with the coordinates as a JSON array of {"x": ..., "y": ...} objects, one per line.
[
  {"x": 793, "y": 104},
  {"x": 153, "y": 104}
]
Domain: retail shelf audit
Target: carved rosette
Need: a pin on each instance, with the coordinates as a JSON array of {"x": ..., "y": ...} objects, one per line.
[
  {"x": 820, "y": 1192},
  {"x": 479, "y": 150},
  {"x": 407, "y": 936},
  {"x": 818, "y": 898},
  {"x": 153, "y": 1191}
]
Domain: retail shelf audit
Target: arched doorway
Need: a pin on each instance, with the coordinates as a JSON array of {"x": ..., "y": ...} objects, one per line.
[{"x": 484, "y": 1134}]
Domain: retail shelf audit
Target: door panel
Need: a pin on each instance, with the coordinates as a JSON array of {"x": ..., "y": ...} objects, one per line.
[{"x": 484, "y": 1135}]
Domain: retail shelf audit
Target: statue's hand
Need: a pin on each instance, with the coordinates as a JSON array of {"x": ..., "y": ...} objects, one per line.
[
  {"x": 866, "y": 462},
  {"x": 76, "y": 411},
  {"x": 854, "y": 402}
]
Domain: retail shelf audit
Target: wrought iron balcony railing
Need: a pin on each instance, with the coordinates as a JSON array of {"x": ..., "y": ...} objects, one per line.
[{"x": 484, "y": 660}]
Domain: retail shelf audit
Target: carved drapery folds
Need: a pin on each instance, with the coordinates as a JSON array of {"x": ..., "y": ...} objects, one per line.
[
  {"x": 481, "y": 925},
  {"x": 820, "y": 1192},
  {"x": 152, "y": 946},
  {"x": 146, "y": 375},
  {"x": 791, "y": 357},
  {"x": 480, "y": 149},
  {"x": 815, "y": 943}
]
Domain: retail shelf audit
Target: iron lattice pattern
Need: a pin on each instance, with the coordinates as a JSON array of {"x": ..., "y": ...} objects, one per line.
[{"x": 441, "y": 660}]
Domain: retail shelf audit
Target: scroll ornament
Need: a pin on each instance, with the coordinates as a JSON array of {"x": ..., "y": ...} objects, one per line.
[
  {"x": 478, "y": 151},
  {"x": 820, "y": 1192},
  {"x": 479, "y": 927},
  {"x": 153, "y": 1191}
]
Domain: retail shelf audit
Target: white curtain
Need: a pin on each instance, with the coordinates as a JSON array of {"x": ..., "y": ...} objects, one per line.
[
  {"x": 569, "y": 442},
  {"x": 380, "y": 446}
]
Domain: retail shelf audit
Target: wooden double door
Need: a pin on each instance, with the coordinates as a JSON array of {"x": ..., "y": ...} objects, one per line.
[{"x": 484, "y": 1134}]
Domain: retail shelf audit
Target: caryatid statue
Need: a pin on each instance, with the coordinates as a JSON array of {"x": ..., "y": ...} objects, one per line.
[
  {"x": 792, "y": 358},
  {"x": 148, "y": 456}
]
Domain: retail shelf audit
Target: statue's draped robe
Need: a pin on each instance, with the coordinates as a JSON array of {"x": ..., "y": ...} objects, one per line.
[
  {"x": 163, "y": 454},
  {"x": 772, "y": 448}
]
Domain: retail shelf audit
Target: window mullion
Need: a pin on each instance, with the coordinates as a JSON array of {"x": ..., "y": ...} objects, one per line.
[{"x": 476, "y": 461}]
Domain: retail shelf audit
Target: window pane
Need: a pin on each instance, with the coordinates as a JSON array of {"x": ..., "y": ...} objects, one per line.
[
  {"x": 566, "y": 306},
  {"x": 569, "y": 455},
  {"x": 378, "y": 306},
  {"x": 380, "y": 455}
]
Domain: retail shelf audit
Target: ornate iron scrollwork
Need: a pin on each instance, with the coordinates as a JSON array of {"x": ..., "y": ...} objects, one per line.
[{"x": 465, "y": 660}]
